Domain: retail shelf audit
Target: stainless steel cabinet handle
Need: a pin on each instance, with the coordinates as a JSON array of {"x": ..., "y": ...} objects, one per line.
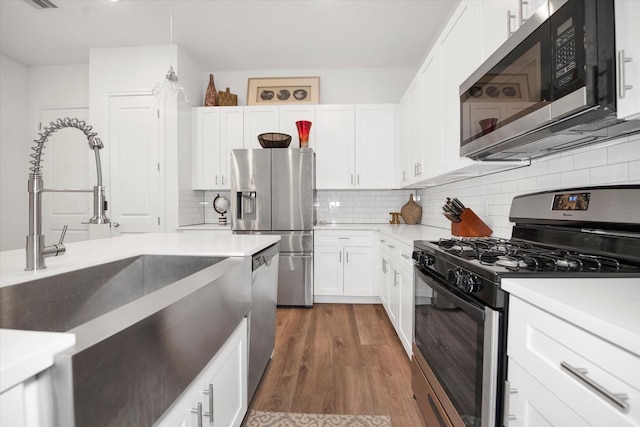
[
  {"x": 395, "y": 278},
  {"x": 351, "y": 179},
  {"x": 405, "y": 256},
  {"x": 622, "y": 86},
  {"x": 198, "y": 410},
  {"x": 510, "y": 16},
  {"x": 222, "y": 176},
  {"x": 209, "y": 414},
  {"x": 404, "y": 175},
  {"x": 340, "y": 257},
  {"x": 347, "y": 257},
  {"x": 344, "y": 238},
  {"x": 216, "y": 179},
  {"x": 358, "y": 179},
  {"x": 616, "y": 399},
  {"x": 521, "y": 4},
  {"x": 506, "y": 406},
  {"x": 390, "y": 246}
]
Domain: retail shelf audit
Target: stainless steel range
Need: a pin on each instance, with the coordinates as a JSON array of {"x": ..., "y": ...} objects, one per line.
[{"x": 459, "y": 366}]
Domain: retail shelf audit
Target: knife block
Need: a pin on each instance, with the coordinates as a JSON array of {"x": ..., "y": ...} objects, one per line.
[{"x": 470, "y": 225}]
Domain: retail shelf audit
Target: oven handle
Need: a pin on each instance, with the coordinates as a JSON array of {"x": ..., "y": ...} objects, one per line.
[{"x": 473, "y": 310}]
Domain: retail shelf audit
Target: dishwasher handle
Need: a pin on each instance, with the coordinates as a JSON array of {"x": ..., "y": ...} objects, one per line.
[{"x": 264, "y": 257}]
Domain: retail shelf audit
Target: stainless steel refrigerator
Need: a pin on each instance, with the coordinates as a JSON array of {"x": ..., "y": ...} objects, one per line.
[{"x": 272, "y": 192}]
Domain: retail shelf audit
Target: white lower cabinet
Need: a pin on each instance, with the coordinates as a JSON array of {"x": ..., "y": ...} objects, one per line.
[
  {"x": 342, "y": 263},
  {"x": 218, "y": 395},
  {"x": 561, "y": 374},
  {"x": 396, "y": 286}
]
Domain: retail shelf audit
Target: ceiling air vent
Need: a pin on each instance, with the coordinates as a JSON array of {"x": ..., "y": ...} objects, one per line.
[{"x": 41, "y": 4}]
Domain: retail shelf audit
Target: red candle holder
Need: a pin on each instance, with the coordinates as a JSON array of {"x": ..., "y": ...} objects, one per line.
[{"x": 304, "y": 127}]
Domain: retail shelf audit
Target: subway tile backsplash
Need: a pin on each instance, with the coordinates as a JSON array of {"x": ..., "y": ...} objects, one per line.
[
  {"x": 609, "y": 163},
  {"x": 490, "y": 196}
]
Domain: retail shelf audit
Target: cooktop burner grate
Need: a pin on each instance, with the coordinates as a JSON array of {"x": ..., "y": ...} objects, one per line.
[{"x": 514, "y": 255}]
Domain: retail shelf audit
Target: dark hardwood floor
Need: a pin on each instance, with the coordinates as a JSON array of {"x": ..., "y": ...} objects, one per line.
[{"x": 338, "y": 359}]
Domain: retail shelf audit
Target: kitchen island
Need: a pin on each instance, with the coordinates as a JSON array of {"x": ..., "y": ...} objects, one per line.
[{"x": 24, "y": 353}]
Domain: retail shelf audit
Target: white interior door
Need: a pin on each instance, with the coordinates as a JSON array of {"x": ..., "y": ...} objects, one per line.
[
  {"x": 67, "y": 164},
  {"x": 134, "y": 193}
]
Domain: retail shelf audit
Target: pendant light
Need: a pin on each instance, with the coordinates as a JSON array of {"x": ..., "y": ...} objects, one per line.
[{"x": 169, "y": 89}]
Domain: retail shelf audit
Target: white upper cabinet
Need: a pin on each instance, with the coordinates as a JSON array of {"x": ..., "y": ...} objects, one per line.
[
  {"x": 216, "y": 131},
  {"x": 414, "y": 130},
  {"x": 431, "y": 116},
  {"x": 501, "y": 18},
  {"x": 289, "y": 115},
  {"x": 460, "y": 51},
  {"x": 628, "y": 57},
  {"x": 335, "y": 146},
  {"x": 258, "y": 120},
  {"x": 375, "y": 145},
  {"x": 355, "y": 146},
  {"x": 276, "y": 118}
]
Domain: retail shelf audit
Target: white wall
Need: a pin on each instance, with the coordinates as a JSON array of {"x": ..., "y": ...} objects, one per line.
[
  {"x": 337, "y": 86},
  {"x": 14, "y": 153}
]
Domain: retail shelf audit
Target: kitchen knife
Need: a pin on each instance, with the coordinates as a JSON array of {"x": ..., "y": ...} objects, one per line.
[
  {"x": 458, "y": 204},
  {"x": 451, "y": 217},
  {"x": 453, "y": 209}
]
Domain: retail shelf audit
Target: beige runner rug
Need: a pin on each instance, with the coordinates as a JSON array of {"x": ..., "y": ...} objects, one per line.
[{"x": 287, "y": 419}]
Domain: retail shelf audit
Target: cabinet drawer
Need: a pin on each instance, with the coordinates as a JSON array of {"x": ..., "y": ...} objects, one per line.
[
  {"x": 399, "y": 251},
  {"x": 532, "y": 405},
  {"x": 343, "y": 238},
  {"x": 542, "y": 343}
]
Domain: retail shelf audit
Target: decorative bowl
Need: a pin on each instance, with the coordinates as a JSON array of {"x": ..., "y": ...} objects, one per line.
[{"x": 274, "y": 140}]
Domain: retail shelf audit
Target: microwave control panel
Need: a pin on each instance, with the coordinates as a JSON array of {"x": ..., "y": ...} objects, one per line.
[{"x": 565, "y": 53}]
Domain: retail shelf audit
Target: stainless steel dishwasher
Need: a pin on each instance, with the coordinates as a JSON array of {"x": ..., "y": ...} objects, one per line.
[{"x": 262, "y": 317}]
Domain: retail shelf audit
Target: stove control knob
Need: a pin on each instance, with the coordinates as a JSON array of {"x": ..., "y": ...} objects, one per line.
[
  {"x": 464, "y": 281},
  {"x": 423, "y": 258}
]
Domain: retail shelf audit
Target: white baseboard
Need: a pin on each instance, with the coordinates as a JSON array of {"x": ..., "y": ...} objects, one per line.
[{"x": 341, "y": 299}]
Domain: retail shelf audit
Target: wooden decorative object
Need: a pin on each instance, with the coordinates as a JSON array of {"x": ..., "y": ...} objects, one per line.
[
  {"x": 411, "y": 212},
  {"x": 227, "y": 98},
  {"x": 470, "y": 226},
  {"x": 395, "y": 217},
  {"x": 211, "y": 96}
]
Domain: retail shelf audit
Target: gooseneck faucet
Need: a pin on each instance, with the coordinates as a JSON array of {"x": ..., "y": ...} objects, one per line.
[{"x": 36, "y": 249}]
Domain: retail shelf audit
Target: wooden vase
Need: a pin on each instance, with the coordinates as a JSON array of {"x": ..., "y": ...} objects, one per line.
[
  {"x": 211, "y": 97},
  {"x": 411, "y": 212}
]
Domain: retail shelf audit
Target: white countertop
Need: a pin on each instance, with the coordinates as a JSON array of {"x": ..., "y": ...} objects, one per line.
[
  {"x": 23, "y": 354},
  {"x": 92, "y": 252},
  {"x": 403, "y": 232},
  {"x": 609, "y": 309},
  {"x": 208, "y": 227}
]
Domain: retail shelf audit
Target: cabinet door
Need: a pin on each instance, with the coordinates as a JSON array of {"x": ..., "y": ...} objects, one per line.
[
  {"x": 358, "y": 275},
  {"x": 627, "y": 45},
  {"x": 460, "y": 51},
  {"x": 500, "y": 18},
  {"x": 228, "y": 385},
  {"x": 327, "y": 270},
  {"x": 206, "y": 148},
  {"x": 405, "y": 321},
  {"x": 394, "y": 295},
  {"x": 431, "y": 119},
  {"x": 533, "y": 405},
  {"x": 335, "y": 147},
  {"x": 289, "y": 115},
  {"x": 375, "y": 145},
  {"x": 259, "y": 120},
  {"x": 414, "y": 131},
  {"x": 231, "y": 138}
]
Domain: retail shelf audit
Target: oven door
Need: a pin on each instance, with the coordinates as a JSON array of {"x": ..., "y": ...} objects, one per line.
[{"x": 458, "y": 340}]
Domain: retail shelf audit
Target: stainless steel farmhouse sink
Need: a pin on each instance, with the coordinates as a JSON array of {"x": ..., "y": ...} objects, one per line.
[{"x": 145, "y": 327}]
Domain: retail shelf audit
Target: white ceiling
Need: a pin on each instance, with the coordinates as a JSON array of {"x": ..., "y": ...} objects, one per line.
[{"x": 230, "y": 35}]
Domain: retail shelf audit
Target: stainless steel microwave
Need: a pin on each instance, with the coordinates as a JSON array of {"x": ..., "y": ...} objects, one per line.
[{"x": 550, "y": 87}]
